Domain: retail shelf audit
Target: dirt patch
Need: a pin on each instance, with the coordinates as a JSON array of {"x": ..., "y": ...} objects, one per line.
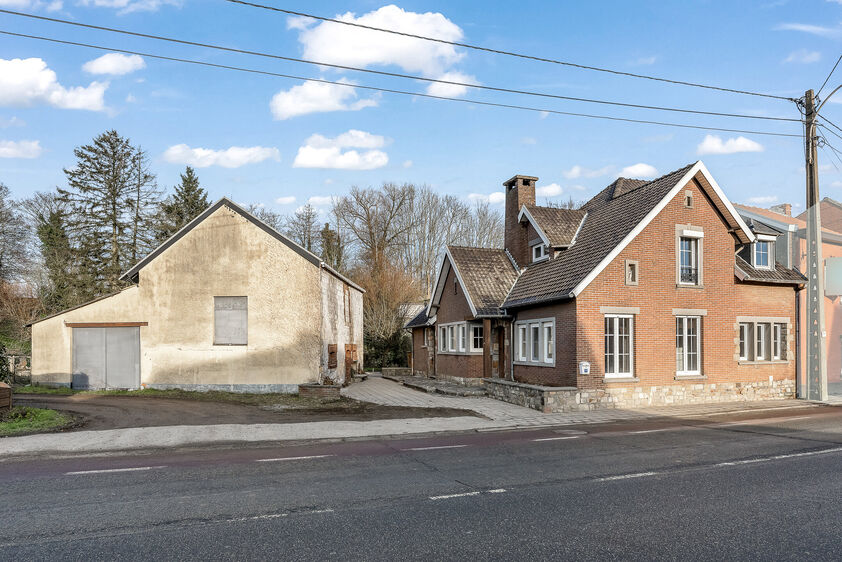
[{"x": 117, "y": 412}]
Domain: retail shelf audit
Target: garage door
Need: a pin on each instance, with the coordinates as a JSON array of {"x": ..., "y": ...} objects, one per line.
[{"x": 106, "y": 357}]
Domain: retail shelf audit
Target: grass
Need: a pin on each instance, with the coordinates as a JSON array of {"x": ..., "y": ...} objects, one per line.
[
  {"x": 21, "y": 420},
  {"x": 274, "y": 399}
]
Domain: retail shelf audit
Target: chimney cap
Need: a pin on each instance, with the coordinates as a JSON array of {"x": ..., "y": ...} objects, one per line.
[{"x": 511, "y": 182}]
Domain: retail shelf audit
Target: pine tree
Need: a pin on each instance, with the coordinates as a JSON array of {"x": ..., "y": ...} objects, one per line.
[
  {"x": 109, "y": 198},
  {"x": 60, "y": 291},
  {"x": 333, "y": 249},
  {"x": 188, "y": 201}
]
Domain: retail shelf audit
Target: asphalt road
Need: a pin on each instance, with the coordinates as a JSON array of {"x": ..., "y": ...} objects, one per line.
[{"x": 758, "y": 486}]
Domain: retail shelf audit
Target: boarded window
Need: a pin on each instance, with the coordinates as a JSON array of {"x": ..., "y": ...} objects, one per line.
[
  {"x": 331, "y": 356},
  {"x": 230, "y": 320},
  {"x": 346, "y": 303}
]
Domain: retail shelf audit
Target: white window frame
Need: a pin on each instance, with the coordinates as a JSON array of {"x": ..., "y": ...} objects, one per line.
[
  {"x": 685, "y": 321},
  {"x": 777, "y": 348},
  {"x": 769, "y": 245},
  {"x": 451, "y": 338},
  {"x": 443, "y": 338},
  {"x": 745, "y": 341},
  {"x": 463, "y": 336},
  {"x": 694, "y": 257},
  {"x": 525, "y": 342},
  {"x": 616, "y": 373},
  {"x": 473, "y": 337},
  {"x": 761, "y": 341},
  {"x": 539, "y": 253},
  {"x": 456, "y": 338}
]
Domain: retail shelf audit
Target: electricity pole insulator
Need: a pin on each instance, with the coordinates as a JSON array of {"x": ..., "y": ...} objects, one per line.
[{"x": 816, "y": 376}]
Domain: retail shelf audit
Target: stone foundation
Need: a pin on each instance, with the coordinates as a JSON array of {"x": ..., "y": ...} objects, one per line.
[
  {"x": 465, "y": 381},
  {"x": 549, "y": 399},
  {"x": 396, "y": 371}
]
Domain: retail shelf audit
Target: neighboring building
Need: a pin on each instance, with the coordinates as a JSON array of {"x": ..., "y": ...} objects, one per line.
[
  {"x": 792, "y": 252},
  {"x": 227, "y": 303},
  {"x": 654, "y": 292}
]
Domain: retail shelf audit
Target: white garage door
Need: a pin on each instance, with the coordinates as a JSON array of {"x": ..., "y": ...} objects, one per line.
[{"x": 106, "y": 357}]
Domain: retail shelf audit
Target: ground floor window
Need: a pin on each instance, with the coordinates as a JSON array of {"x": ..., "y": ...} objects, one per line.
[
  {"x": 477, "y": 339},
  {"x": 535, "y": 342},
  {"x": 687, "y": 338},
  {"x": 619, "y": 345},
  {"x": 762, "y": 341},
  {"x": 461, "y": 338}
]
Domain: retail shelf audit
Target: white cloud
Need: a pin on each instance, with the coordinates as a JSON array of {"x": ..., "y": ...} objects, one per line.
[
  {"x": 317, "y": 97},
  {"x": 407, "y": 164},
  {"x": 129, "y": 6},
  {"x": 811, "y": 29},
  {"x": 115, "y": 64},
  {"x": 27, "y": 82},
  {"x": 451, "y": 90},
  {"x": 551, "y": 190},
  {"x": 233, "y": 157},
  {"x": 494, "y": 198},
  {"x": 12, "y": 122},
  {"x": 713, "y": 144},
  {"x": 645, "y": 61},
  {"x": 580, "y": 172},
  {"x": 639, "y": 170},
  {"x": 322, "y": 152},
  {"x": 353, "y": 46},
  {"x": 320, "y": 200},
  {"x": 50, "y": 6},
  {"x": 528, "y": 140},
  {"x": 287, "y": 200},
  {"x": 803, "y": 56},
  {"x": 763, "y": 200},
  {"x": 20, "y": 149},
  {"x": 131, "y": 99}
]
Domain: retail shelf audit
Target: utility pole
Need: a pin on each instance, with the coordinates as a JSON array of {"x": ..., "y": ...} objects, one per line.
[{"x": 816, "y": 376}]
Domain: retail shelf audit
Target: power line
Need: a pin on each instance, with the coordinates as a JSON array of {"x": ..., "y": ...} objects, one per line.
[
  {"x": 393, "y": 91},
  {"x": 508, "y": 53},
  {"x": 395, "y": 74},
  {"x": 829, "y": 75},
  {"x": 826, "y": 130},
  {"x": 831, "y": 123}
]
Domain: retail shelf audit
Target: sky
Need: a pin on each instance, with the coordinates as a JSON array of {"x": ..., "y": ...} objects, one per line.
[{"x": 282, "y": 143}]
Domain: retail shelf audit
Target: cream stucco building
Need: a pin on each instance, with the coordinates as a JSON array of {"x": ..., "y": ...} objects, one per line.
[{"x": 227, "y": 303}]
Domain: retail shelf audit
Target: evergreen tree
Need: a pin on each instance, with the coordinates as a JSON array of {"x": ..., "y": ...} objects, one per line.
[
  {"x": 333, "y": 249},
  {"x": 188, "y": 201},
  {"x": 110, "y": 198},
  {"x": 60, "y": 292}
]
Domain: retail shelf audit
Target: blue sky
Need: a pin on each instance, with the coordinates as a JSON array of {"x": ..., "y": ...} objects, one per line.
[{"x": 305, "y": 142}]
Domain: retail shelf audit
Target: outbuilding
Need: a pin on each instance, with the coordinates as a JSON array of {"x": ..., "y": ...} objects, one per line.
[{"x": 227, "y": 303}]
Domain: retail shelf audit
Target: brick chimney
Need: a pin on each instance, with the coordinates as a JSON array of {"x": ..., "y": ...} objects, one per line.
[
  {"x": 520, "y": 191},
  {"x": 782, "y": 209}
]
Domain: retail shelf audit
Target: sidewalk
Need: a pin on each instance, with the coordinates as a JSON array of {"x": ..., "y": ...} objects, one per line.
[{"x": 496, "y": 416}]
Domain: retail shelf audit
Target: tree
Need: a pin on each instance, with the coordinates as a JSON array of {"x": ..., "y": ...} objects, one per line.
[
  {"x": 188, "y": 202},
  {"x": 144, "y": 203},
  {"x": 303, "y": 227},
  {"x": 14, "y": 256},
  {"x": 569, "y": 204},
  {"x": 273, "y": 219},
  {"x": 333, "y": 247},
  {"x": 110, "y": 200}
]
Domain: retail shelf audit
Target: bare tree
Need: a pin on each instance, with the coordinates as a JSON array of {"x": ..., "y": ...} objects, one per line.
[
  {"x": 14, "y": 255},
  {"x": 303, "y": 227},
  {"x": 569, "y": 204},
  {"x": 273, "y": 219}
]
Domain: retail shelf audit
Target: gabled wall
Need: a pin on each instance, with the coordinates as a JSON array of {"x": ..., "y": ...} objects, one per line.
[
  {"x": 454, "y": 307},
  {"x": 342, "y": 324}
]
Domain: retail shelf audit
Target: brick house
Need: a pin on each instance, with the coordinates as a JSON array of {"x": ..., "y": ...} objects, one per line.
[{"x": 652, "y": 292}]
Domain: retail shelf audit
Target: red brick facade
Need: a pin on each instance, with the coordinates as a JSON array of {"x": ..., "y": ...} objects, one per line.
[
  {"x": 520, "y": 191},
  {"x": 454, "y": 307}
]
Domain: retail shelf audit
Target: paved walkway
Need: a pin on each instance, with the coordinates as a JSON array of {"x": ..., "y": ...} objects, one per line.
[{"x": 382, "y": 391}]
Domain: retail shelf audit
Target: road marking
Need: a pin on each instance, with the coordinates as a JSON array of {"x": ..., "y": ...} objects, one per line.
[
  {"x": 108, "y": 470},
  {"x": 655, "y": 430},
  {"x": 294, "y": 458},
  {"x": 276, "y": 515},
  {"x": 449, "y": 496},
  {"x": 626, "y": 476},
  {"x": 497, "y": 491},
  {"x": 434, "y": 448},
  {"x": 557, "y": 438},
  {"x": 780, "y": 457}
]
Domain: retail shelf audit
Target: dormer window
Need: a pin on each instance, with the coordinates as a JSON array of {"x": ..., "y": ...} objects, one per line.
[
  {"x": 539, "y": 253},
  {"x": 763, "y": 254}
]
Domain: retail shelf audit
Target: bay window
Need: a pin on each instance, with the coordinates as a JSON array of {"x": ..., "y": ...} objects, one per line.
[
  {"x": 535, "y": 342},
  {"x": 464, "y": 338}
]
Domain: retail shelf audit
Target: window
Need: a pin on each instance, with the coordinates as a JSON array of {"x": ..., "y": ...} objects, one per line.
[
  {"x": 442, "y": 339},
  {"x": 687, "y": 345},
  {"x": 688, "y": 264},
  {"x": 631, "y": 272},
  {"x": 618, "y": 346},
  {"x": 477, "y": 340},
  {"x": 776, "y": 342},
  {"x": 535, "y": 342},
  {"x": 745, "y": 340},
  {"x": 762, "y": 347},
  {"x": 549, "y": 342},
  {"x": 761, "y": 254},
  {"x": 462, "y": 337},
  {"x": 346, "y": 302},
  {"x": 762, "y": 341},
  {"x": 451, "y": 338},
  {"x": 331, "y": 356},
  {"x": 230, "y": 320},
  {"x": 539, "y": 252},
  {"x": 688, "y": 199}
]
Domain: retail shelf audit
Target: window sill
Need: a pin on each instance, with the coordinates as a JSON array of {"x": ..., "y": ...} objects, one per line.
[
  {"x": 230, "y": 344},
  {"x": 459, "y": 352},
  {"x": 609, "y": 380},
  {"x": 772, "y": 362},
  {"x": 690, "y": 377},
  {"x": 532, "y": 364},
  {"x": 688, "y": 286}
]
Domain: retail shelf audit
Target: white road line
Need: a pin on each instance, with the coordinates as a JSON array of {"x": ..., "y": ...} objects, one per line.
[
  {"x": 108, "y": 470},
  {"x": 557, "y": 438},
  {"x": 276, "y": 515},
  {"x": 780, "y": 457},
  {"x": 449, "y": 496},
  {"x": 655, "y": 430},
  {"x": 434, "y": 448},
  {"x": 626, "y": 476},
  {"x": 294, "y": 458},
  {"x": 497, "y": 491}
]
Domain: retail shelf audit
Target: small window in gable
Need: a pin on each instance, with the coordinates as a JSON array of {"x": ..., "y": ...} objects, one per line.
[
  {"x": 688, "y": 199},
  {"x": 539, "y": 252},
  {"x": 631, "y": 272}
]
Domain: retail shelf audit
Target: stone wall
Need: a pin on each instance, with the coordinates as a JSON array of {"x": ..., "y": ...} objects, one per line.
[{"x": 549, "y": 399}]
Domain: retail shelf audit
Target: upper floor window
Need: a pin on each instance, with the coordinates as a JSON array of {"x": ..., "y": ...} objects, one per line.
[
  {"x": 539, "y": 252},
  {"x": 688, "y": 260},
  {"x": 631, "y": 272},
  {"x": 762, "y": 254}
]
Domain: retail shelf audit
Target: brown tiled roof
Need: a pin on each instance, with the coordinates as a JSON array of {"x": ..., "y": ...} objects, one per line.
[
  {"x": 487, "y": 273},
  {"x": 420, "y": 320},
  {"x": 781, "y": 274},
  {"x": 560, "y": 225},
  {"x": 612, "y": 215}
]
